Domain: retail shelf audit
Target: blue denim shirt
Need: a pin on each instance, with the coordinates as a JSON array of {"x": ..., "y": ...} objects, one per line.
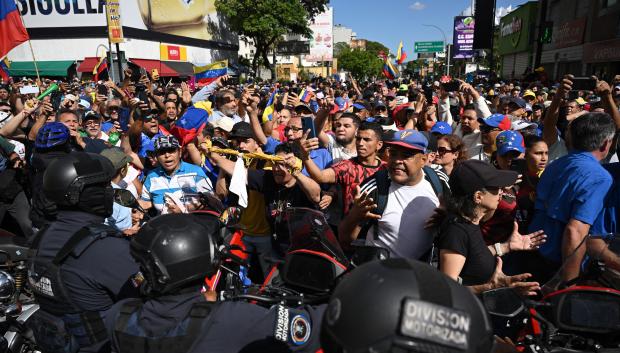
[
  {"x": 607, "y": 221},
  {"x": 572, "y": 187}
]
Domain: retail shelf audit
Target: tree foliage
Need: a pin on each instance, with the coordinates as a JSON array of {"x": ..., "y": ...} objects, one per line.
[
  {"x": 340, "y": 47},
  {"x": 265, "y": 21},
  {"x": 360, "y": 63},
  {"x": 376, "y": 48}
]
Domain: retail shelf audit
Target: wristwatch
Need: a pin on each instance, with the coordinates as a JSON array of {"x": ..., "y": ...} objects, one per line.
[{"x": 498, "y": 249}]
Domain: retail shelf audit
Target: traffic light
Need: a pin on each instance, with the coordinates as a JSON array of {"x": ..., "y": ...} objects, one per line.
[{"x": 547, "y": 33}]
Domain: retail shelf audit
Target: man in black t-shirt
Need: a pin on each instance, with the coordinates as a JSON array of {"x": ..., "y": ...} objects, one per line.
[{"x": 284, "y": 186}]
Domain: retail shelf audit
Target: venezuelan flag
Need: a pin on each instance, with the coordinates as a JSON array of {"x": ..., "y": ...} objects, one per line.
[
  {"x": 190, "y": 124},
  {"x": 4, "y": 70},
  {"x": 12, "y": 30},
  {"x": 400, "y": 55},
  {"x": 304, "y": 96},
  {"x": 101, "y": 66},
  {"x": 209, "y": 73},
  {"x": 270, "y": 108},
  {"x": 389, "y": 70}
]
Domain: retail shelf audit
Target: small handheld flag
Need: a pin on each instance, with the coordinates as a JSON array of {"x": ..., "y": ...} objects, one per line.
[
  {"x": 100, "y": 67},
  {"x": 400, "y": 55},
  {"x": 4, "y": 70},
  {"x": 389, "y": 70},
  {"x": 270, "y": 108},
  {"x": 211, "y": 72}
]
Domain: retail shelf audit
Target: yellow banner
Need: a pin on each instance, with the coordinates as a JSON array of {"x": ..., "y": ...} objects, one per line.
[
  {"x": 115, "y": 27},
  {"x": 172, "y": 52}
]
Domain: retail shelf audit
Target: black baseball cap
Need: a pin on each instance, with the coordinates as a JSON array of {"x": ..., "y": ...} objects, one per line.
[
  {"x": 472, "y": 175},
  {"x": 242, "y": 129}
]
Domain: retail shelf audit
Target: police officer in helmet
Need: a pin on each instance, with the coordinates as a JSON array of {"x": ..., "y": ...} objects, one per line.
[
  {"x": 175, "y": 253},
  {"x": 80, "y": 266},
  {"x": 400, "y": 305}
]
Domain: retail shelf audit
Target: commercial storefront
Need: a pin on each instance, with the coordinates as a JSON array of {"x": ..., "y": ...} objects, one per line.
[
  {"x": 601, "y": 52},
  {"x": 565, "y": 53},
  {"x": 167, "y": 35},
  {"x": 516, "y": 40}
]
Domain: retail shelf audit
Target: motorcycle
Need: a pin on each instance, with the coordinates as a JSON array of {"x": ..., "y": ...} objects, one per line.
[
  {"x": 582, "y": 315},
  {"x": 17, "y": 304}
]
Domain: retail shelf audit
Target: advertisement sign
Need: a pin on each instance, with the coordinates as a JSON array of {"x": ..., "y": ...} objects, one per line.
[
  {"x": 429, "y": 47},
  {"x": 172, "y": 52},
  {"x": 115, "y": 27},
  {"x": 569, "y": 33},
  {"x": 516, "y": 29},
  {"x": 195, "y": 19},
  {"x": 463, "y": 37},
  {"x": 322, "y": 41},
  {"x": 293, "y": 47}
]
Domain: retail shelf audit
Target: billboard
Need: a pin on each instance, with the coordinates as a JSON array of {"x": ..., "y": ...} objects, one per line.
[
  {"x": 322, "y": 41},
  {"x": 463, "y": 37},
  {"x": 159, "y": 20}
]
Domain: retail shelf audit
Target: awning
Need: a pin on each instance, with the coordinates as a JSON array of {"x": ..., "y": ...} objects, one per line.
[
  {"x": 46, "y": 68},
  {"x": 163, "y": 69},
  {"x": 181, "y": 67},
  {"x": 88, "y": 65}
]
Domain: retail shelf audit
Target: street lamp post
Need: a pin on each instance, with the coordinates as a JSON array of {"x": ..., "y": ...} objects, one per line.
[{"x": 447, "y": 51}]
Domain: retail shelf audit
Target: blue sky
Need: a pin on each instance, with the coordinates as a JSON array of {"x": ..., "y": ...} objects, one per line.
[{"x": 390, "y": 21}]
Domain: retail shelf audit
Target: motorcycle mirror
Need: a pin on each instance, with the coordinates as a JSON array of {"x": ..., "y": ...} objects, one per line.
[
  {"x": 365, "y": 253},
  {"x": 125, "y": 198},
  {"x": 503, "y": 302},
  {"x": 231, "y": 216}
]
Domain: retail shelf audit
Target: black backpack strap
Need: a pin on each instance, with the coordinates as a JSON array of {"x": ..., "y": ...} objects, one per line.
[
  {"x": 431, "y": 176},
  {"x": 378, "y": 186}
]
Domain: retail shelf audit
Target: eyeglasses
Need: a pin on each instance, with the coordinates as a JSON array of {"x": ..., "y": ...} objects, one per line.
[
  {"x": 443, "y": 150},
  {"x": 401, "y": 154},
  {"x": 294, "y": 128}
]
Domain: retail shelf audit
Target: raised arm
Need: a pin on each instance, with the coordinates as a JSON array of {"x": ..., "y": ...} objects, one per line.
[{"x": 550, "y": 133}]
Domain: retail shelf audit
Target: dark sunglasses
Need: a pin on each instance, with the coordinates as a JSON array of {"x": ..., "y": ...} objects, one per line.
[{"x": 443, "y": 150}]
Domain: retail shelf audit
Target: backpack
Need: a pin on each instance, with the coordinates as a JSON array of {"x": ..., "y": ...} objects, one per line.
[{"x": 382, "y": 182}]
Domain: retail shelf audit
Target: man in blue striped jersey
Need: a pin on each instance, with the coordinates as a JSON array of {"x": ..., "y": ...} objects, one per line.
[{"x": 172, "y": 187}]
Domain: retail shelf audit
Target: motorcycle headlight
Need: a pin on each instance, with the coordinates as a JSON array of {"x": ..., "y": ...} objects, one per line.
[{"x": 7, "y": 286}]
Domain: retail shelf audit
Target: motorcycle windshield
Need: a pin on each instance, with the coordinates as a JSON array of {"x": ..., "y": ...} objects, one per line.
[
  {"x": 602, "y": 249},
  {"x": 308, "y": 229}
]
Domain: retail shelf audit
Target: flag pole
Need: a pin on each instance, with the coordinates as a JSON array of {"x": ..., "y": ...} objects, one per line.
[{"x": 34, "y": 60}]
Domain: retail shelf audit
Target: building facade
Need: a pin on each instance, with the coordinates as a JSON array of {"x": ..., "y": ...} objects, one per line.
[{"x": 516, "y": 40}]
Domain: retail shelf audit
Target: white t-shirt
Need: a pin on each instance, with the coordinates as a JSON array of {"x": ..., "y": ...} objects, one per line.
[
  {"x": 401, "y": 227},
  {"x": 338, "y": 151}
]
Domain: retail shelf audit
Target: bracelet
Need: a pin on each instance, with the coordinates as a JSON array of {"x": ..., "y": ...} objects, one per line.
[{"x": 498, "y": 249}]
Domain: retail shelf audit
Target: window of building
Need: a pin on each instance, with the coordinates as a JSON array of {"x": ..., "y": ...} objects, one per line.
[{"x": 608, "y": 3}]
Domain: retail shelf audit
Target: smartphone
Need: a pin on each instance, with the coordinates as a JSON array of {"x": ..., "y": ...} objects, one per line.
[
  {"x": 102, "y": 89},
  {"x": 584, "y": 83},
  {"x": 307, "y": 123},
  {"x": 451, "y": 86},
  {"x": 428, "y": 94},
  {"x": 518, "y": 165}
]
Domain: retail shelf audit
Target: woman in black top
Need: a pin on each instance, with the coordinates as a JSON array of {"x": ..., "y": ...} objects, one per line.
[{"x": 476, "y": 188}]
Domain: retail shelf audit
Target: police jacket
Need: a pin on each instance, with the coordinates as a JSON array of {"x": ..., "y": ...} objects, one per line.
[
  {"x": 187, "y": 323},
  {"x": 96, "y": 272}
]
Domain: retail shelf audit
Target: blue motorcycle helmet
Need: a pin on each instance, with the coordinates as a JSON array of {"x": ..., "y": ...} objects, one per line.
[{"x": 52, "y": 135}]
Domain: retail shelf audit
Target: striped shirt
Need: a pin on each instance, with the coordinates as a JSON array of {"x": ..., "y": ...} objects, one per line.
[{"x": 188, "y": 180}]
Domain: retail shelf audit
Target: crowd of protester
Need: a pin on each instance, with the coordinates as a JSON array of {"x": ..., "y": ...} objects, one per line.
[{"x": 499, "y": 182}]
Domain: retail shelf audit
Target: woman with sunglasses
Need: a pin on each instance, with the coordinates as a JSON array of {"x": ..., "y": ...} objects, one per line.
[
  {"x": 450, "y": 152},
  {"x": 476, "y": 188}
]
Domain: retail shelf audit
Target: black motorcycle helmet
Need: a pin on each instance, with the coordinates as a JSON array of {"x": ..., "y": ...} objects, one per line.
[
  {"x": 175, "y": 251},
  {"x": 81, "y": 181},
  {"x": 400, "y": 305}
]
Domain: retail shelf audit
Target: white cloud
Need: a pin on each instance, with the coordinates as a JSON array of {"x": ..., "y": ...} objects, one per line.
[{"x": 417, "y": 6}]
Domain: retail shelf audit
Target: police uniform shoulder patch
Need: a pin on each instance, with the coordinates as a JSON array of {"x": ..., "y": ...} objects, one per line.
[{"x": 300, "y": 330}]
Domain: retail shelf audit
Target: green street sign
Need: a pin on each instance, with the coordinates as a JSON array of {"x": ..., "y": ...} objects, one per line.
[{"x": 429, "y": 47}]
